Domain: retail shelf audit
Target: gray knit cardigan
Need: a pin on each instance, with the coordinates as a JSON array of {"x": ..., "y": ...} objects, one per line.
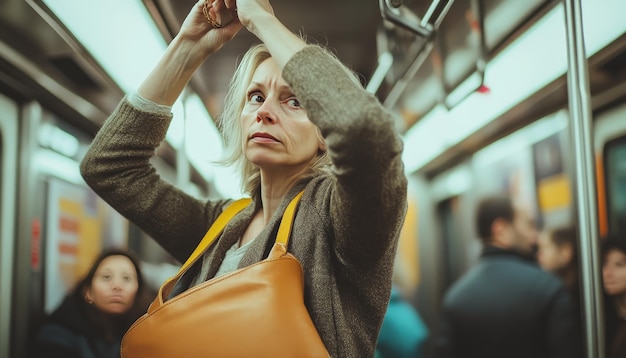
[{"x": 346, "y": 228}]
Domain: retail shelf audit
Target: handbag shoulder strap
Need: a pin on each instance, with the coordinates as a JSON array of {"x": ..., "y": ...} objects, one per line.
[
  {"x": 284, "y": 230},
  {"x": 215, "y": 229},
  {"x": 233, "y": 209},
  {"x": 282, "y": 238}
]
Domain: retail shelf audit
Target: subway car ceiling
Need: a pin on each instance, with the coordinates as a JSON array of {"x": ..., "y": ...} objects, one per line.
[{"x": 460, "y": 76}]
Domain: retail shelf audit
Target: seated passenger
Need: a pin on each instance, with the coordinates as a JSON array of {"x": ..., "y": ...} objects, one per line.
[
  {"x": 92, "y": 319},
  {"x": 614, "y": 281}
]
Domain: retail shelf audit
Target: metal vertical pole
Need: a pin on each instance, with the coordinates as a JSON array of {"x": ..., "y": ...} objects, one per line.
[{"x": 581, "y": 129}]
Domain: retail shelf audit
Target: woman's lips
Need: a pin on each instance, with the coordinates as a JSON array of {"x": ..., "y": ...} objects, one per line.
[{"x": 263, "y": 137}]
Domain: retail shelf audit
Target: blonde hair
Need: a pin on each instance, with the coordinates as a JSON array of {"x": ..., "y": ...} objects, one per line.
[{"x": 230, "y": 124}]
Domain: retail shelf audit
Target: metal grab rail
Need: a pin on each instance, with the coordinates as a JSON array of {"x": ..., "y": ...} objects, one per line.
[
  {"x": 404, "y": 17},
  {"x": 395, "y": 12},
  {"x": 401, "y": 84},
  {"x": 580, "y": 111}
]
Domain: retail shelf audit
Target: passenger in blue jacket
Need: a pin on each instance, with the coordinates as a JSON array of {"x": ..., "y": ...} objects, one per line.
[
  {"x": 93, "y": 318},
  {"x": 403, "y": 332},
  {"x": 506, "y": 306}
]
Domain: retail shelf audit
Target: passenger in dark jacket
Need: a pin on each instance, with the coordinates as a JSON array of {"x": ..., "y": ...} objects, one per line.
[
  {"x": 93, "y": 318},
  {"x": 506, "y": 306}
]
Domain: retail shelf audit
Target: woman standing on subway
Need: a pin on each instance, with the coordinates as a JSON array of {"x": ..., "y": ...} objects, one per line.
[{"x": 296, "y": 121}]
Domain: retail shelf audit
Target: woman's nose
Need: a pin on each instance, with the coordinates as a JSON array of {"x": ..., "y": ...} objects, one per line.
[
  {"x": 116, "y": 285},
  {"x": 266, "y": 113}
]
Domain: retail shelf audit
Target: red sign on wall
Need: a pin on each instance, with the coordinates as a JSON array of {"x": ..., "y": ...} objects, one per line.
[{"x": 35, "y": 245}]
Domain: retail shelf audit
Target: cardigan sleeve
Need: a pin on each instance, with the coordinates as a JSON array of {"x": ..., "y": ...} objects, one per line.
[
  {"x": 117, "y": 167},
  {"x": 368, "y": 202}
]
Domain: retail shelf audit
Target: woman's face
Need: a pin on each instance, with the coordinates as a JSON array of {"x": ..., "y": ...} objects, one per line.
[
  {"x": 277, "y": 132},
  {"x": 614, "y": 273},
  {"x": 114, "y": 285},
  {"x": 551, "y": 257}
]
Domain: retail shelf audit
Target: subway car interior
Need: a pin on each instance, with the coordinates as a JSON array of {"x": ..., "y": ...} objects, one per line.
[{"x": 481, "y": 91}]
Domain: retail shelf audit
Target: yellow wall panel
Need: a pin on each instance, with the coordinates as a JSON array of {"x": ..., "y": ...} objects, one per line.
[{"x": 554, "y": 193}]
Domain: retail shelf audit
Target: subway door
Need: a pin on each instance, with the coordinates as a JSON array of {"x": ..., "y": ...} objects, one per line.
[
  {"x": 63, "y": 225},
  {"x": 430, "y": 279},
  {"x": 610, "y": 148},
  {"x": 8, "y": 170},
  {"x": 27, "y": 290},
  {"x": 459, "y": 247},
  {"x": 446, "y": 211}
]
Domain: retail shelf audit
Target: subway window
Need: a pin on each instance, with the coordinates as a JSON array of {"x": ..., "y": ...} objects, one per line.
[{"x": 615, "y": 164}]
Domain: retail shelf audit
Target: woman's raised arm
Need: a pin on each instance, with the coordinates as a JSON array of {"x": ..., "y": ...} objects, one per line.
[{"x": 195, "y": 42}]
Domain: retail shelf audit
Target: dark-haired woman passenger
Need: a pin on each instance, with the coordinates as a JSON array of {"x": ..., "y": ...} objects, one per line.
[
  {"x": 614, "y": 281},
  {"x": 92, "y": 319}
]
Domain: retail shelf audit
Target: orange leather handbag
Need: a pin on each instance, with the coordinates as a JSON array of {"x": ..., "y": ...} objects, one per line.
[{"x": 256, "y": 311}]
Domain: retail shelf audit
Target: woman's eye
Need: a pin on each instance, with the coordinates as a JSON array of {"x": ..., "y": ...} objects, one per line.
[
  {"x": 106, "y": 277},
  {"x": 294, "y": 102},
  {"x": 255, "y": 97}
]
